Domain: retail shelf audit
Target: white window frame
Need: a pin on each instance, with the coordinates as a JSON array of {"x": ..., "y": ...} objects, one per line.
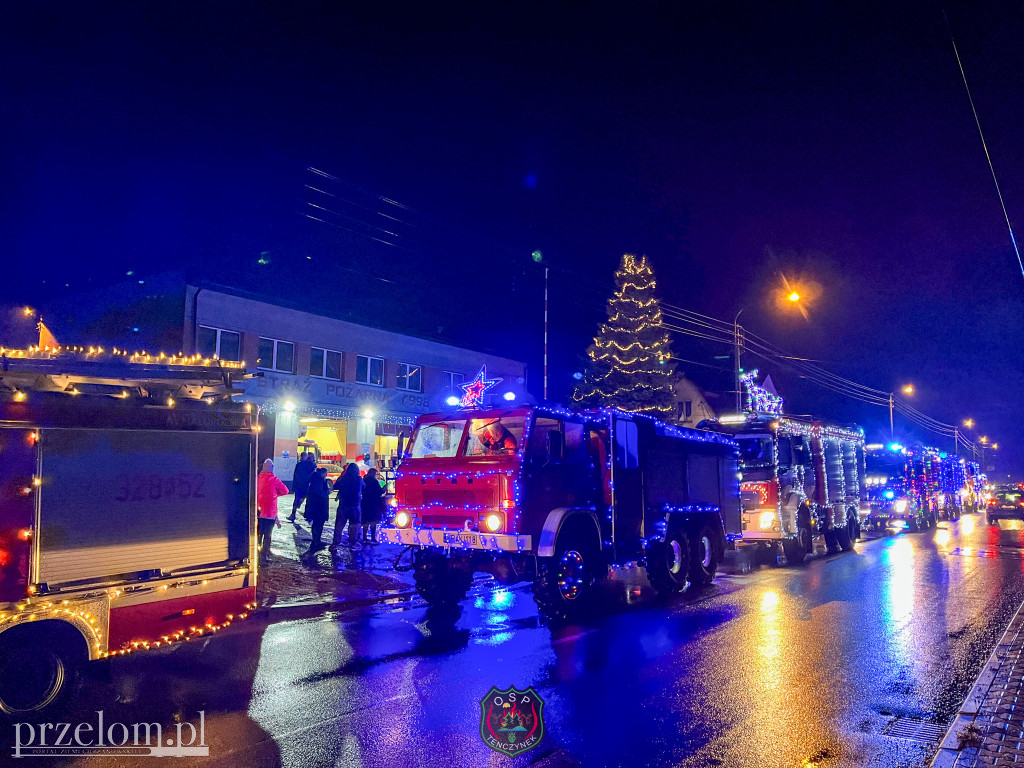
[
  {"x": 219, "y": 331},
  {"x": 323, "y": 370},
  {"x": 262, "y": 365},
  {"x": 409, "y": 367},
  {"x": 450, "y": 384},
  {"x": 369, "y": 359}
]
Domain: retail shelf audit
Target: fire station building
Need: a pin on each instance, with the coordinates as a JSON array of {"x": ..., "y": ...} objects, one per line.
[{"x": 349, "y": 389}]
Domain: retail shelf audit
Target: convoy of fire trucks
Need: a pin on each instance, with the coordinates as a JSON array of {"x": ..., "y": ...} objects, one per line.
[
  {"x": 128, "y": 513},
  {"x": 562, "y": 498}
]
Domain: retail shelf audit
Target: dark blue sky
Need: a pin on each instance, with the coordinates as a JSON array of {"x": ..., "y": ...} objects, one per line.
[{"x": 706, "y": 135}]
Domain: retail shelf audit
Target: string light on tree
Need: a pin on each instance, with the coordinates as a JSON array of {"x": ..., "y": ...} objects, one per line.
[{"x": 630, "y": 360}]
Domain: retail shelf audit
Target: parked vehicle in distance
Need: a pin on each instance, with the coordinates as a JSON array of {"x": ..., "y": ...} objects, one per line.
[
  {"x": 1005, "y": 503},
  {"x": 555, "y": 497}
]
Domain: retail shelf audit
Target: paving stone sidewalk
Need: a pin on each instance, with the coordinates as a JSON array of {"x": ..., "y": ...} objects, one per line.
[
  {"x": 989, "y": 731},
  {"x": 354, "y": 576}
]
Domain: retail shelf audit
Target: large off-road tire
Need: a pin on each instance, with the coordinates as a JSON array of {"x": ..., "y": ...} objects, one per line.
[
  {"x": 912, "y": 526},
  {"x": 40, "y": 669},
  {"x": 704, "y": 555},
  {"x": 843, "y": 539},
  {"x": 441, "y": 584},
  {"x": 564, "y": 586},
  {"x": 668, "y": 563},
  {"x": 853, "y": 530}
]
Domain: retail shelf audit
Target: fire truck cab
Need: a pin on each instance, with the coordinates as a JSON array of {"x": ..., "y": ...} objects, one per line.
[
  {"x": 127, "y": 512},
  {"x": 555, "y": 497}
]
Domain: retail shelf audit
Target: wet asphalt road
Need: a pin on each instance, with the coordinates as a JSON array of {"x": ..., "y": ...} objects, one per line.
[{"x": 801, "y": 666}]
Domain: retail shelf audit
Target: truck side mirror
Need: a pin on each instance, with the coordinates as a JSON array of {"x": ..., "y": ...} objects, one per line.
[{"x": 556, "y": 448}]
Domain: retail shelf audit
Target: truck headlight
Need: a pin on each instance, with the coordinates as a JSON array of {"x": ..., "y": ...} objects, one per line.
[
  {"x": 767, "y": 520},
  {"x": 402, "y": 520},
  {"x": 493, "y": 523},
  {"x": 900, "y": 506}
]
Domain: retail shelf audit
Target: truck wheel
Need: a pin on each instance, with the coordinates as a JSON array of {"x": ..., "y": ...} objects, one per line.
[
  {"x": 853, "y": 530},
  {"x": 794, "y": 549},
  {"x": 703, "y": 556},
  {"x": 843, "y": 539},
  {"x": 668, "y": 563},
  {"x": 912, "y": 526},
  {"x": 564, "y": 587},
  {"x": 40, "y": 671},
  {"x": 440, "y": 584}
]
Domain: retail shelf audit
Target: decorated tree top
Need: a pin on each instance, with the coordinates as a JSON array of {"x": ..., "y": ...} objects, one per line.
[{"x": 630, "y": 360}]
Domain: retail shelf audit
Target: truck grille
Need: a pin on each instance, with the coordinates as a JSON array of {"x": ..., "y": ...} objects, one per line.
[
  {"x": 452, "y": 497},
  {"x": 449, "y": 520}
]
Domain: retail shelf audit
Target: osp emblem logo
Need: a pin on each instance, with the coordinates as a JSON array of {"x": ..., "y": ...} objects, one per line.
[{"x": 512, "y": 721}]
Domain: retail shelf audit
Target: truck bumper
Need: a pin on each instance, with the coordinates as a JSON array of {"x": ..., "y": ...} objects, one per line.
[{"x": 434, "y": 537}]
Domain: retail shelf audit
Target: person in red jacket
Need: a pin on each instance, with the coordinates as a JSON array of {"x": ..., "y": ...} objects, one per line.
[{"x": 268, "y": 488}]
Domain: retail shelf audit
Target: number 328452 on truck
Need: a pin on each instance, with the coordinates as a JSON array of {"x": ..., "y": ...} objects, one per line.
[{"x": 556, "y": 497}]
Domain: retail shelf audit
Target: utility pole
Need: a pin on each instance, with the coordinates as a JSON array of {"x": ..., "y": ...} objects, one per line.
[
  {"x": 546, "y": 332},
  {"x": 738, "y": 342},
  {"x": 892, "y": 431},
  {"x": 956, "y": 441}
]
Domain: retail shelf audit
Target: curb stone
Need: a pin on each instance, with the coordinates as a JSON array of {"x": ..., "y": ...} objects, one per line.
[{"x": 950, "y": 749}]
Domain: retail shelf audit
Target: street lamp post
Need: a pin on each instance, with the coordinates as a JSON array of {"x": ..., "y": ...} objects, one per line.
[{"x": 738, "y": 342}]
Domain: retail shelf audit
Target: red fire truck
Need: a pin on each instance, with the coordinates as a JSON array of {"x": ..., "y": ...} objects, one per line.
[
  {"x": 803, "y": 482},
  {"x": 127, "y": 512},
  {"x": 555, "y": 497}
]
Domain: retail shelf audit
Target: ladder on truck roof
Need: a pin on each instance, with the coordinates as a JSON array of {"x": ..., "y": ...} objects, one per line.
[{"x": 118, "y": 373}]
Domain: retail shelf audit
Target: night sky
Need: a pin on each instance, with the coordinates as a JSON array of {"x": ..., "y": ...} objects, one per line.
[{"x": 728, "y": 142}]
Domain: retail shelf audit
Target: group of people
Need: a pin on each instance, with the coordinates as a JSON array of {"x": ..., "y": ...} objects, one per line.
[{"x": 360, "y": 503}]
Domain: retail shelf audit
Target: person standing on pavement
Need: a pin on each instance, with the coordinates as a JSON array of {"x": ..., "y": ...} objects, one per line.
[
  {"x": 318, "y": 502},
  {"x": 350, "y": 490},
  {"x": 268, "y": 488},
  {"x": 300, "y": 480},
  {"x": 372, "y": 505}
]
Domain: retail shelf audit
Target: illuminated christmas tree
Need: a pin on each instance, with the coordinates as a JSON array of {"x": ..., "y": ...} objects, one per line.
[{"x": 630, "y": 360}]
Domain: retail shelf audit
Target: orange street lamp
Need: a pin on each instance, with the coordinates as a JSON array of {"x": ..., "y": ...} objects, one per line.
[
  {"x": 908, "y": 389},
  {"x": 983, "y": 440},
  {"x": 995, "y": 446},
  {"x": 794, "y": 297},
  {"x": 969, "y": 423}
]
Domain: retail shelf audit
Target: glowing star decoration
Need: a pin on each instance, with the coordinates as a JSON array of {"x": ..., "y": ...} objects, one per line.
[
  {"x": 474, "y": 391},
  {"x": 759, "y": 399}
]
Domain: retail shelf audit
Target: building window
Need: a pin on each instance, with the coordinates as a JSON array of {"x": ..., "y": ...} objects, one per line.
[
  {"x": 325, "y": 363},
  {"x": 688, "y": 408},
  {"x": 410, "y": 377},
  {"x": 276, "y": 355},
  {"x": 370, "y": 370},
  {"x": 452, "y": 381},
  {"x": 216, "y": 342}
]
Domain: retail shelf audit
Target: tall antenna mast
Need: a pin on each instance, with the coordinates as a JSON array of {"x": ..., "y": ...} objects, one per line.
[{"x": 984, "y": 146}]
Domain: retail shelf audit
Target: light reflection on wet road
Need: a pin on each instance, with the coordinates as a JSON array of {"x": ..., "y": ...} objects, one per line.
[{"x": 783, "y": 667}]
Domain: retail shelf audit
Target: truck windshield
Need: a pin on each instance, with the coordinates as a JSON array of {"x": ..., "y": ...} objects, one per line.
[
  {"x": 756, "y": 451},
  {"x": 495, "y": 436},
  {"x": 439, "y": 439}
]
